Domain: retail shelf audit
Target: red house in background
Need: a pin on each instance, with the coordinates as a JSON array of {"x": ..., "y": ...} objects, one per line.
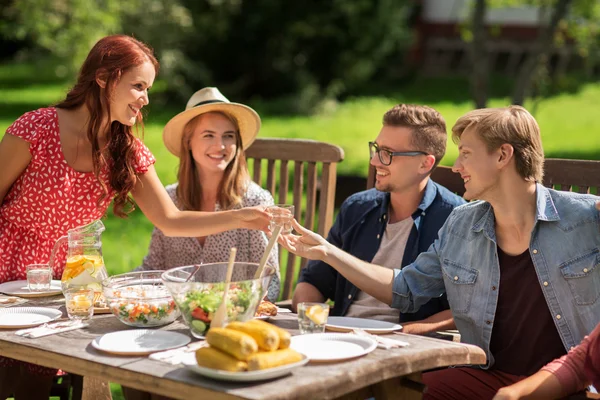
[{"x": 440, "y": 47}]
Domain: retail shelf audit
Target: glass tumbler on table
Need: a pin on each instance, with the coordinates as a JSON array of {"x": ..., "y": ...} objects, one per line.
[
  {"x": 312, "y": 317},
  {"x": 283, "y": 214},
  {"x": 39, "y": 277},
  {"x": 79, "y": 303}
]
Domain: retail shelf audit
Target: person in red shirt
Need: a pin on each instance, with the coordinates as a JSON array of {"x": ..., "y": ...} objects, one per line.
[
  {"x": 63, "y": 165},
  {"x": 562, "y": 377}
]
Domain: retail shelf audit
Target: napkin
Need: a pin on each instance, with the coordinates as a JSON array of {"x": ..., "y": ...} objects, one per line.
[
  {"x": 382, "y": 342},
  {"x": 176, "y": 356},
  {"x": 51, "y": 329},
  {"x": 9, "y": 301}
]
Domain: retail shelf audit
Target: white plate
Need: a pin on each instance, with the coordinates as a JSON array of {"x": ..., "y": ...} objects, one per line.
[
  {"x": 332, "y": 346},
  {"x": 139, "y": 341},
  {"x": 247, "y": 376},
  {"x": 25, "y": 317},
  {"x": 19, "y": 288},
  {"x": 283, "y": 310},
  {"x": 347, "y": 324}
]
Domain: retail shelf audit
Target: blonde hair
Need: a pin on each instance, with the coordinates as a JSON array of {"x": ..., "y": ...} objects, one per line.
[
  {"x": 427, "y": 125},
  {"x": 512, "y": 125},
  {"x": 235, "y": 179}
]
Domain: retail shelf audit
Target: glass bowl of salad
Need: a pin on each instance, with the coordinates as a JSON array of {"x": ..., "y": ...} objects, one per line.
[
  {"x": 140, "y": 299},
  {"x": 198, "y": 292}
]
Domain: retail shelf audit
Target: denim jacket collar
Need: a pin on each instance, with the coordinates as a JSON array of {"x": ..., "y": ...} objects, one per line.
[{"x": 546, "y": 211}]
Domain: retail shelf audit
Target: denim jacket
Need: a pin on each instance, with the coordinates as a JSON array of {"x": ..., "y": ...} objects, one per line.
[
  {"x": 359, "y": 229},
  {"x": 463, "y": 261}
]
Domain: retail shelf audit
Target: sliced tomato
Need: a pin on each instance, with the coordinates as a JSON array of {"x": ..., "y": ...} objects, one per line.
[{"x": 199, "y": 313}]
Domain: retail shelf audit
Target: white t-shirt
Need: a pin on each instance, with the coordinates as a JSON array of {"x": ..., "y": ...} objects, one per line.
[{"x": 389, "y": 255}]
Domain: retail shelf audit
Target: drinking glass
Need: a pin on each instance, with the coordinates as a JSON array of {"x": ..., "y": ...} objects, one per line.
[
  {"x": 39, "y": 277},
  {"x": 283, "y": 214},
  {"x": 312, "y": 317},
  {"x": 80, "y": 303}
]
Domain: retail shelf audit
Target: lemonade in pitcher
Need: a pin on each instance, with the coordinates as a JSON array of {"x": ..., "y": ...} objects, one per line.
[
  {"x": 85, "y": 271},
  {"x": 85, "y": 265}
]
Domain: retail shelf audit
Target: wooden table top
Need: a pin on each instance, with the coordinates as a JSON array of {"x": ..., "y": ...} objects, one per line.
[{"x": 72, "y": 351}]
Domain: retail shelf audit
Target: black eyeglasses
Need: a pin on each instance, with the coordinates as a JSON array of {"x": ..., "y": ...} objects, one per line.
[{"x": 385, "y": 156}]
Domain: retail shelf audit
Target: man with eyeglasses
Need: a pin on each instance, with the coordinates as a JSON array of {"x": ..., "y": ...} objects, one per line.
[
  {"x": 520, "y": 265},
  {"x": 391, "y": 224}
]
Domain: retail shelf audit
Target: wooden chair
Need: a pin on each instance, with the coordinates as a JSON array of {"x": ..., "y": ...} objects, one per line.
[
  {"x": 581, "y": 176},
  {"x": 314, "y": 170}
]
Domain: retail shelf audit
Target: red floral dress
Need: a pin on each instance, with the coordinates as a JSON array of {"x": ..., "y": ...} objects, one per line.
[{"x": 49, "y": 198}]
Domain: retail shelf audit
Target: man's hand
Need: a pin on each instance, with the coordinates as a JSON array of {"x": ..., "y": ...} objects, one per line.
[
  {"x": 598, "y": 205},
  {"x": 308, "y": 244}
]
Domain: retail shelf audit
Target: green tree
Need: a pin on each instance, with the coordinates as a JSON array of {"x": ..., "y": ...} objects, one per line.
[{"x": 569, "y": 20}]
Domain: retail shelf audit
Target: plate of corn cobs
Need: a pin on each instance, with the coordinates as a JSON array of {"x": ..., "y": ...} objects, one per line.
[{"x": 245, "y": 352}]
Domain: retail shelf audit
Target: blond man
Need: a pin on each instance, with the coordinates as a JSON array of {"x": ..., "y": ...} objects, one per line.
[{"x": 519, "y": 265}]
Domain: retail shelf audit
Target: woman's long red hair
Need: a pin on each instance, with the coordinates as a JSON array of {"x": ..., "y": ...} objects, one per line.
[{"x": 108, "y": 60}]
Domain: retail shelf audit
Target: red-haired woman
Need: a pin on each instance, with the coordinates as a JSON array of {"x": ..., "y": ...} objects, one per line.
[{"x": 61, "y": 167}]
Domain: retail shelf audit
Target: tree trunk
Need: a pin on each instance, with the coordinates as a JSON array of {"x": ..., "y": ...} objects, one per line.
[
  {"x": 479, "y": 56},
  {"x": 542, "y": 47}
]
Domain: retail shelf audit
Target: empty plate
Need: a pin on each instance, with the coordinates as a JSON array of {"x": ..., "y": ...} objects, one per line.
[
  {"x": 139, "y": 341},
  {"x": 348, "y": 324},
  {"x": 20, "y": 288},
  {"x": 25, "y": 317},
  {"x": 332, "y": 346},
  {"x": 246, "y": 376}
]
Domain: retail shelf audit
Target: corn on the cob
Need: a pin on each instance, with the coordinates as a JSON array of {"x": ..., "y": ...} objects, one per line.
[
  {"x": 238, "y": 344},
  {"x": 273, "y": 359},
  {"x": 284, "y": 336},
  {"x": 212, "y": 358},
  {"x": 266, "y": 337}
]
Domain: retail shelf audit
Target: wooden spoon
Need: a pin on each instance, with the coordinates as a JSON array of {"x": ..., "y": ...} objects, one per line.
[
  {"x": 221, "y": 314},
  {"x": 265, "y": 257}
]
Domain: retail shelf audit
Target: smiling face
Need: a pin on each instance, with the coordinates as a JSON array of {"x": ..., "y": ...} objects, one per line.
[
  {"x": 214, "y": 143},
  {"x": 130, "y": 94},
  {"x": 405, "y": 171},
  {"x": 478, "y": 167}
]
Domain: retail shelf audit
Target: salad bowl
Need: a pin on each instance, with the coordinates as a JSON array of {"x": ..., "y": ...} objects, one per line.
[
  {"x": 198, "y": 292},
  {"x": 140, "y": 299}
]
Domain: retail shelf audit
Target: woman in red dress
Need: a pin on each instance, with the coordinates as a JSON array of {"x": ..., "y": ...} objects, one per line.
[{"x": 62, "y": 166}]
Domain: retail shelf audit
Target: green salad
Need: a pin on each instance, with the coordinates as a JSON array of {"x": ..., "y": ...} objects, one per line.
[{"x": 199, "y": 306}]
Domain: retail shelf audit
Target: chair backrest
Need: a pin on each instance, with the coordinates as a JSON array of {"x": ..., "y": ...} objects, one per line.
[
  {"x": 307, "y": 158},
  {"x": 442, "y": 175},
  {"x": 582, "y": 176}
]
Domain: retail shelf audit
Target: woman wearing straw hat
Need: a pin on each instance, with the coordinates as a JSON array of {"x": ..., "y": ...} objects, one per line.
[{"x": 209, "y": 138}]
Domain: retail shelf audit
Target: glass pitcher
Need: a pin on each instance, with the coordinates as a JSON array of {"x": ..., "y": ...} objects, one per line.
[{"x": 85, "y": 265}]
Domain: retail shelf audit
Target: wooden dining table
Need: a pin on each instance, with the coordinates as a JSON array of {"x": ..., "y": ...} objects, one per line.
[{"x": 383, "y": 373}]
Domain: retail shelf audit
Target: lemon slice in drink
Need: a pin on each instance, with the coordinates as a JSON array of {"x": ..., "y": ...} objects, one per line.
[
  {"x": 317, "y": 314},
  {"x": 89, "y": 266}
]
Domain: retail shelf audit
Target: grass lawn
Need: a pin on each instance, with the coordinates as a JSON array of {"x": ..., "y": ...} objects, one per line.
[
  {"x": 569, "y": 126},
  {"x": 568, "y": 122}
]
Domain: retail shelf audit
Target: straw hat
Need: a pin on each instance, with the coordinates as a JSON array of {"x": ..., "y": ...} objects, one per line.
[{"x": 207, "y": 100}]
